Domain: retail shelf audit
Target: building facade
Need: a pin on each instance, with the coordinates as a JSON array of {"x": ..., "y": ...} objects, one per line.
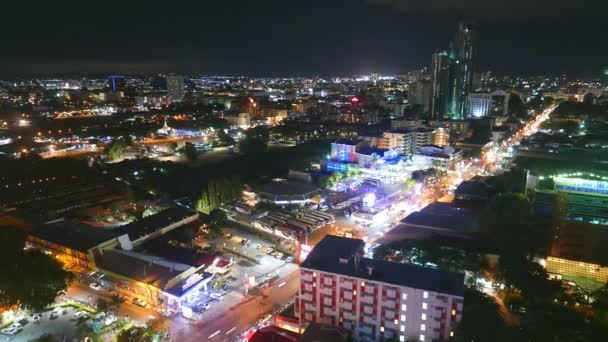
[
  {"x": 464, "y": 47},
  {"x": 440, "y": 84},
  {"x": 175, "y": 87},
  {"x": 375, "y": 299}
]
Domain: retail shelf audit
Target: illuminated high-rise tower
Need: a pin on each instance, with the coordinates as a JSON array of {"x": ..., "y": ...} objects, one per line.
[
  {"x": 440, "y": 84},
  {"x": 464, "y": 48}
]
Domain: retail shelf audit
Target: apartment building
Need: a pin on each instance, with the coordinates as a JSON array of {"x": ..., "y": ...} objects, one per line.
[
  {"x": 408, "y": 141},
  {"x": 374, "y": 299}
]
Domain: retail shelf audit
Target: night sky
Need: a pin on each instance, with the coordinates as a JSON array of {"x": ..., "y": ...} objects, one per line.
[{"x": 298, "y": 37}]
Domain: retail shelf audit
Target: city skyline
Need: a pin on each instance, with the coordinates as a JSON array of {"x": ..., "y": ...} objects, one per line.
[{"x": 270, "y": 39}]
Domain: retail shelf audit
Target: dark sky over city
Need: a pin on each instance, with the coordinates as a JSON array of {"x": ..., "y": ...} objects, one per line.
[{"x": 288, "y": 38}]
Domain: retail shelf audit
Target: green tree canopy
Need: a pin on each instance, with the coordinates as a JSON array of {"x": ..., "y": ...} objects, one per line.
[
  {"x": 29, "y": 277},
  {"x": 190, "y": 151}
]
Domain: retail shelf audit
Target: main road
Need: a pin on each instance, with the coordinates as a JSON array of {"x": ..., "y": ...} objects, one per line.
[{"x": 228, "y": 324}]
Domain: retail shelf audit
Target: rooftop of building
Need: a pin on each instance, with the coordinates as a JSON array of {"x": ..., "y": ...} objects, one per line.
[
  {"x": 351, "y": 142},
  {"x": 319, "y": 333},
  {"x": 472, "y": 187},
  {"x": 339, "y": 255},
  {"x": 287, "y": 187},
  {"x": 444, "y": 216},
  {"x": 369, "y": 150},
  {"x": 272, "y": 333},
  {"x": 74, "y": 235},
  {"x": 152, "y": 270},
  {"x": 153, "y": 223}
]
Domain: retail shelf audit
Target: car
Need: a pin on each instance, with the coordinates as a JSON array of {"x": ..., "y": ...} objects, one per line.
[
  {"x": 23, "y": 321},
  {"x": 95, "y": 286},
  {"x": 206, "y": 306},
  {"x": 140, "y": 302},
  {"x": 37, "y": 317},
  {"x": 56, "y": 313},
  {"x": 82, "y": 315},
  {"x": 110, "y": 319},
  {"x": 243, "y": 242},
  {"x": 11, "y": 331},
  {"x": 289, "y": 259},
  {"x": 225, "y": 287},
  {"x": 269, "y": 250},
  {"x": 278, "y": 255},
  {"x": 16, "y": 325},
  {"x": 216, "y": 296},
  {"x": 258, "y": 246}
]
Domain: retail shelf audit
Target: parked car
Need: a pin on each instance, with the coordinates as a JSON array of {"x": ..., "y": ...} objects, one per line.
[
  {"x": 95, "y": 286},
  {"x": 140, "y": 302},
  {"x": 37, "y": 317},
  {"x": 82, "y": 315},
  {"x": 289, "y": 259},
  {"x": 243, "y": 242},
  {"x": 56, "y": 313},
  {"x": 278, "y": 255},
  {"x": 216, "y": 296},
  {"x": 10, "y": 331},
  {"x": 269, "y": 250}
]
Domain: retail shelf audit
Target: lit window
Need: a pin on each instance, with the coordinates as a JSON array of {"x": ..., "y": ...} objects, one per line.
[
  {"x": 402, "y": 328},
  {"x": 404, "y": 296},
  {"x": 423, "y": 316},
  {"x": 402, "y": 318},
  {"x": 424, "y": 306},
  {"x": 396, "y": 321},
  {"x": 362, "y": 284},
  {"x": 451, "y": 334},
  {"x": 401, "y": 338},
  {"x": 403, "y": 307},
  {"x": 425, "y": 294},
  {"x": 314, "y": 274},
  {"x": 453, "y": 312},
  {"x": 421, "y": 337},
  {"x": 381, "y": 329},
  {"x": 422, "y": 327},
  {"x": 355, "y": 293}
]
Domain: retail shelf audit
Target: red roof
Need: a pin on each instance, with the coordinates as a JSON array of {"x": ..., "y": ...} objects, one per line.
[
  {"x": 223, "y": 262},
  {"x": 273, "y": 333}
]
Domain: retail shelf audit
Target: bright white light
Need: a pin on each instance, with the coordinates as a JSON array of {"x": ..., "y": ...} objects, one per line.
[{"x": 369, "y": 200}]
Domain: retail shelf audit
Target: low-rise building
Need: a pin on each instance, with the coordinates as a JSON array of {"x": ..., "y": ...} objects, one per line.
[
  {"x": 376, "y": 299},
  {"x": 432, "y": 156}
]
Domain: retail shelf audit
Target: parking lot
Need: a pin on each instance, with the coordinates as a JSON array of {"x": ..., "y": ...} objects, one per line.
[{"x": 62, "y": 324}]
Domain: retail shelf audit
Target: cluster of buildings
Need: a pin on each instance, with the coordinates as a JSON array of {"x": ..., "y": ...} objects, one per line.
[{"x": 139, "y": 261}]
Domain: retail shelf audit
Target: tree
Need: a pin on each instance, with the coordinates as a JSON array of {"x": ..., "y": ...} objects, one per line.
[
  {"x": 517, "y": 108},
  {"x": 30, "y": 278},
  {"x": 172, "y": 146},
  {"x": 217, "y": 217},
  {"x": 115, "y": 149},
  {"x": 190, "y": 151},
  {"x": 135, "y": 334},
  {"x": 481, "y": 319},
  {"x": 252, "y": 147},
  {"x": 225, "y": 139}
]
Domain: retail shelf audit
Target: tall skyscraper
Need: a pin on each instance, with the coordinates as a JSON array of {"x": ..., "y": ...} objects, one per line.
[
  {"x": 175, "y": 87},
  {"x": 464, "y": 48},
  {"x": 440, "y": 84}
]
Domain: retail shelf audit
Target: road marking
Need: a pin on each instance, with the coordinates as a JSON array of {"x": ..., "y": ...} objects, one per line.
[
  {"x": 214, "y": 334},
  {"x": 231, "y": 330},
  {"x": 281, "y": 284}
]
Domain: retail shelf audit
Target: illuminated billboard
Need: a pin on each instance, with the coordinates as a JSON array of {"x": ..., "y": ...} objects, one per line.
[{"x": 579, "y": 185}]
